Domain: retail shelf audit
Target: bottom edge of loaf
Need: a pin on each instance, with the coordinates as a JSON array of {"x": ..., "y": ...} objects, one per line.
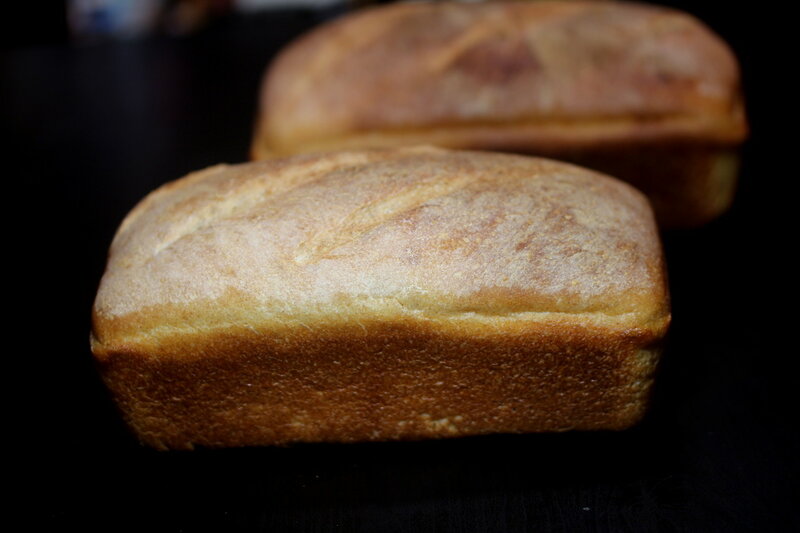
[{"x": 158, "y": 442}]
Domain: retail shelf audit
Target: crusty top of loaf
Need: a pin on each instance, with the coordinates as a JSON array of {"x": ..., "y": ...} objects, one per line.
[
  {"x": 414, "y": 232},
  {"x": 618, "y": 69}
]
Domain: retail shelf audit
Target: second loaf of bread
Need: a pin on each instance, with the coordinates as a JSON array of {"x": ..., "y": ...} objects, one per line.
[
  {"x": 644, "y": 93},
  {"x": 373, "y": 295}
]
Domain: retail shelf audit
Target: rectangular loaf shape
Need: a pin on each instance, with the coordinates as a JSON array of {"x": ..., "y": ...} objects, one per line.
[
  {"x": 381, "y": 295},
  {"x": 644, "y": 93}
]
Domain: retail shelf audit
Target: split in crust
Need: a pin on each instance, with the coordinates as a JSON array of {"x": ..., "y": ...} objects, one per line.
[
  {"x": 646, "y": 94},
  {"x": 381, "y": 294}
]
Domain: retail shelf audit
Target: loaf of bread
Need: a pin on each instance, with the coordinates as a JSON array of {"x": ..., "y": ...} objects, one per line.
[
  {"x": 643, "y": 93},
  {"x": 383, "y": 294}
]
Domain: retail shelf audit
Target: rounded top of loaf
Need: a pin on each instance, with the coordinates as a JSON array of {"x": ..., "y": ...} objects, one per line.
[
  {"x": 411, "y": 72},
  {"x": 414, "y": 232}
]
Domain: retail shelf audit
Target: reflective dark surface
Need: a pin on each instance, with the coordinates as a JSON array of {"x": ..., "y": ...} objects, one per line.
[{"x": 93, "y": 129}]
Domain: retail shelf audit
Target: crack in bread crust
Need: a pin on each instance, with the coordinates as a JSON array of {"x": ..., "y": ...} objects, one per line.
[{"x": 371, "y": 215}]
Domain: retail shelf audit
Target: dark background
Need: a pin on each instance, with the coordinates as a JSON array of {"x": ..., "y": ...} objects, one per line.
[{"x": 91, "y": 129}]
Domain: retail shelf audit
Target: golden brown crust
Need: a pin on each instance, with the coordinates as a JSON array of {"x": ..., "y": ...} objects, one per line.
[
  {"x": 375, "y": 380},
  {"x": 548, "y": 78},
  {"x": 451, "y": 263}
]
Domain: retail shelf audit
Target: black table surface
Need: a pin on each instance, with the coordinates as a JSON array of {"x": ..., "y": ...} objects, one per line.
[{"x": 94, "y": 128}]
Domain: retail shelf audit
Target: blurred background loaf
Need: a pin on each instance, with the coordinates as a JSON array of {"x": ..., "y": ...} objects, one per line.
[{"x": 644, "y": 93}]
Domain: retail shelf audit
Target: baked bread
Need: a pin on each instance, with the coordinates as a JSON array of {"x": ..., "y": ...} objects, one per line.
[
  {"x": 389, "y": 294},
  {"x": 643, "y": 93}
]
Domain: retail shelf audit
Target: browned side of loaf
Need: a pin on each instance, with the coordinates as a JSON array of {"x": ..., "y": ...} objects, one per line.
[
  {"x": 688, "y": 184},
  {"x": 381, "y": 381}
]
